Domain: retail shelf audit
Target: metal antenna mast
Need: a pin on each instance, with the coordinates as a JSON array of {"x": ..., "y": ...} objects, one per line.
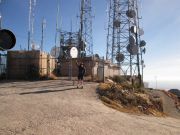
[
  {"x": 1, "y": 15},
  {"x": 85, "y": 32},
  {"x": 123, "y": 40},
  {"x": 32, "y": 4}
]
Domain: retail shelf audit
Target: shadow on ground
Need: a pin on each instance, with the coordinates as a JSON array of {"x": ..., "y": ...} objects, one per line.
[{"x": 46, "y": 91}]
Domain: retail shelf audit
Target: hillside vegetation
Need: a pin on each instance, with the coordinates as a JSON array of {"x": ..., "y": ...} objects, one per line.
[{"x": 123, "y": 96}]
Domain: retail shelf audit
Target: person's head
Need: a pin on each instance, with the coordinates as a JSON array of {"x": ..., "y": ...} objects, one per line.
[{"x": 82, "y": 64}]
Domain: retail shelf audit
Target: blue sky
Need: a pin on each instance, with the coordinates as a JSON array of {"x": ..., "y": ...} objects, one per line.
[{"x": 160, "y": 21}]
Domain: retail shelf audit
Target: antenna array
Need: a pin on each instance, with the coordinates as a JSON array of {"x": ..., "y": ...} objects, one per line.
[{"x": 124, "y": 46}]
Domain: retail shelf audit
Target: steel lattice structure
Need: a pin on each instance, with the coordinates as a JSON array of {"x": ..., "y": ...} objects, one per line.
[
  {"x": 123, "y": 38},
  {"x": 85, "y": 32},
  {"x": 32, "y": 4}
]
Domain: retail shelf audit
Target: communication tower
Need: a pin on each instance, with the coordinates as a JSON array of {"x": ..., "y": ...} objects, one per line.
[
  {"x": 32, "y": 5},
  {"x": 124, "y": 46},
  {"x": 85, "y": 31}
]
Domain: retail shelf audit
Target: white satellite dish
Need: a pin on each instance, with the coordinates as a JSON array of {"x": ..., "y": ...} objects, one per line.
[
  {"x": 55, "y": 51},
  {"x": 74, "y": 52},
  {"x": 35, "y": 46},
  {"x": 133, "y": 29}
]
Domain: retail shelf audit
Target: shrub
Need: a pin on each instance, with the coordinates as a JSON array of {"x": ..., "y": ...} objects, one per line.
[{"x": 119, "y": 79}]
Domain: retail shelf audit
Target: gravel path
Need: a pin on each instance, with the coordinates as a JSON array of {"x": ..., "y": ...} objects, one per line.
[{"x": 58, "y": 108}]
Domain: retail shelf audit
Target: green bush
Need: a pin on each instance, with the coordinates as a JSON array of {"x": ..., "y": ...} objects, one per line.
[{"x": 119, "y": 79}]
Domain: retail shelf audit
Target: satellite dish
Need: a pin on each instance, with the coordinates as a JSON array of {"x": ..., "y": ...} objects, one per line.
[
  {"x": 131, "y": 13},
  {"x": 133, "y": 29},
  {"x": 132, "y": 49},
  {"x": 120, "y": 57},
  {"x": 141, "y": 32},
  {"x": 97, "y": 56},
  {"x": 74, "y": 52},
  {"x": 132, "y": 40},
  {"x": 35, "y": 46},
  {"x": 142, "y": 62},
  {"x": 144, "y": 50},
  {"x": 117, "y": 23},
  {"x": 55, "y": 51},
  {"x": 7, "y": 39},
  {"x": 142, "y": 43}
]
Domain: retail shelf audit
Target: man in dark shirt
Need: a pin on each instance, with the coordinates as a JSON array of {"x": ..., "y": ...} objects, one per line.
[{"x": 81, "y": 73}]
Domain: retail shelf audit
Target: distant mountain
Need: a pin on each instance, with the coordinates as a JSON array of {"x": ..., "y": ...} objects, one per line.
[{"x": 175, "y": 92}]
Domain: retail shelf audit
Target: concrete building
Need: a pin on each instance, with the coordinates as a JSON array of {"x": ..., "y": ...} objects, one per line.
[
  {"x": 35, "y": 64},
  {"x": 29, "y": 64},
  {"x": 96, "y": 69}
]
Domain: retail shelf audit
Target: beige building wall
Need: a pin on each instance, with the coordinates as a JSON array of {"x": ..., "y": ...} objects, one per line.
[{"x": 19, "y": 63}]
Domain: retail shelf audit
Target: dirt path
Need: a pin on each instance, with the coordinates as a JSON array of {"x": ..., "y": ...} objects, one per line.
[
  {"x": 168, "y": 105},
  {"x": 58, "y": 108}
]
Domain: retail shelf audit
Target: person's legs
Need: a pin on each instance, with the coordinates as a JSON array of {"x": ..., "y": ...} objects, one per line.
[
  {"x": 78, "y": 81},
  {"x": 82, "y": 81}
]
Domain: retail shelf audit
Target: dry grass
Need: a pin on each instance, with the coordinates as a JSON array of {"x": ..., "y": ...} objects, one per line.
[
  {"x": 115, "y": 105},
  {"x": 105, "y": 86},
  {"x": 128, "y": 100}
]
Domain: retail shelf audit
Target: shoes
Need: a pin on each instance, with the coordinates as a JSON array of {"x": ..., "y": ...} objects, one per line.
[{"x": 81, "y": 86}]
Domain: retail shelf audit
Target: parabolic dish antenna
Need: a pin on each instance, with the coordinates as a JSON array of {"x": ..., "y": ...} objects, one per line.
[
  {"x": 74, "y": 52},
  {"x": 7, "y": 39},
  {"x": 117, "y": 23},
  {"x": 132, "y": 49},
  {"x": 141, "y": 31},
  {"x": 132, "y": 40},
  {"x": 142, "y": 43},
  {"x": 131, "y": 13},
  {"x": 55, "y": 51},
  {"x": 120, "y": 57},
  {"x": 133, "y": 29},
  {"x": 35, "y": 46}
]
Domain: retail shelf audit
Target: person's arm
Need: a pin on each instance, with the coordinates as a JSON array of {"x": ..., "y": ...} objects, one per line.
[{"x": 84, "y": 70}]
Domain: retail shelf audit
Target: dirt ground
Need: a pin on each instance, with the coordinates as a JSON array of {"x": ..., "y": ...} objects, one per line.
[{"x": 59, "y": 108}]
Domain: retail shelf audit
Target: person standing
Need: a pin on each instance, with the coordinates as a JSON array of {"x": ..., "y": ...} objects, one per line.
[{"x": 81, "y": 73}]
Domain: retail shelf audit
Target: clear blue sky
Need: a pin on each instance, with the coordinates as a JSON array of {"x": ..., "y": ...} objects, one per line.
[{"x": 160, "y": 20}]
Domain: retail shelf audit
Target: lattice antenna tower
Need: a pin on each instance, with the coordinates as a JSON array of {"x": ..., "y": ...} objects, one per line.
[
  {"x": 1, "y": 2},
  {"x": 85, "y": 32},
  {"x": 122, "y": 37},
  {"x": 113, "y": 37},
  {"x": 32, "y": 5}
]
